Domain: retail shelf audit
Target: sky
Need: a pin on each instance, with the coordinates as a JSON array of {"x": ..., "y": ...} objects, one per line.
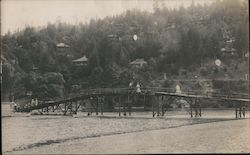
[{"x": 17, "y": 14}]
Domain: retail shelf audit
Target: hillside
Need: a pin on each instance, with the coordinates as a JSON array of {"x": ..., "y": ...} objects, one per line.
[{"x": 179, "y": 46}]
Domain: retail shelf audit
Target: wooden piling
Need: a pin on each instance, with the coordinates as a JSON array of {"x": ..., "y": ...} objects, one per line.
[
  {"x": 102, "y": 102},
  {"x": 199, "y": 108},
  {"x": 244, "y": 111},
  {"x": 76, "y": 107},
  {"x": 191, "y": 108},
  {"x": 129, "y": 106},
  {"x": 119, "y": 102},
  {"x": 65, "y": 109},
  {"x": 158, "y": 106},
  {"x": 70, "y": 108},
  {"x": 191, "y": 112},
  {"x": 200, "y": 111},
  {"x": 236, "y": 112},
  {"x": 124, "y": 108},
  {"x": 152, "y": 101},
  {"x": 162, "y": 107},
  {"x": 144, "y": 100},
  {"x": 97, "y": 102},
  {"x": 240, "y": 109}
]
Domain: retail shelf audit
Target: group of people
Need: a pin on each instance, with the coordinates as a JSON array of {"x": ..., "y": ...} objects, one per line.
[
  {"x": 138, "y": 88},
  {"x": 34, "y": 102}
]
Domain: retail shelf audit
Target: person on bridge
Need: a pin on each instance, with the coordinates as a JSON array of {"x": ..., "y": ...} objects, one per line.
[
  {"x": 138, "y": 89},
  {"x": 130, "y": 84},
  {"x": 15, "y": 106},
  {"x": 32, "y": 102},
  {"x": 130, "y": 87},
  {"x": 36, "y": 102},
  {"x": 178, "y": 89}
]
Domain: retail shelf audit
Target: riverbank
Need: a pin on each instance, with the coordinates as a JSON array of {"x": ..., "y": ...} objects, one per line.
[
  {"x": 215, "y": 137},
  {"x": 23, "y": 132}
]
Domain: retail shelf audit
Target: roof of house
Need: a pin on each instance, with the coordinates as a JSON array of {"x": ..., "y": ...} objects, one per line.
[
  {"x": 138, "y": 62},
  {"x": 227, "y": 49},
  {"x": 82, "y": 59},
  {"x": 62, "y": 45}
]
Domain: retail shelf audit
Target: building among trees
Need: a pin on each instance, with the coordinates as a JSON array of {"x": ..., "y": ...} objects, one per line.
[
  {"x": 138, "y": 63},
  {"x": 81, "y": 61},
  {"x": 62, "y": 45}
]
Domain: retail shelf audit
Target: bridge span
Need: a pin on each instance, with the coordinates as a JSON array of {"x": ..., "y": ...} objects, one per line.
[{"x": 93, "y": 100}]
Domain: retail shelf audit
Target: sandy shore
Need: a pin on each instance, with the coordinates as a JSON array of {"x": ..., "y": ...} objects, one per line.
[
  {"x": 217, "y": 137},
  {"x": 217, "y": 131}
]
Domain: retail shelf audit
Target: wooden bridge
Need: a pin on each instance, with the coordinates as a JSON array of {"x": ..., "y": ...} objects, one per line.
[{"x": 93, "y": 100}]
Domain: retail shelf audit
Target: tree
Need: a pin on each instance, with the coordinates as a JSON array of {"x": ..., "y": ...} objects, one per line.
[{"x": 7, "y": 80}]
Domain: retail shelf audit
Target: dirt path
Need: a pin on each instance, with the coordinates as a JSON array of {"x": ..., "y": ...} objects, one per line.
[{"x": 218, "y": 137}]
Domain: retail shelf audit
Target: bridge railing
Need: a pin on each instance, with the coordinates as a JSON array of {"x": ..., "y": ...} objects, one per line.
[
  {"x": 215, "y": 93},
  {"x": 150, "y": 90},
  {"x": 207, "y": 93},
  {"x": 104, "y": 90}
]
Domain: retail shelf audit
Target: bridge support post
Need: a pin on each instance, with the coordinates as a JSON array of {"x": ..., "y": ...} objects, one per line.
[
  {"x": 153, "y": 101},
  {"x": 96, "y": 106},
  {"x": 119, "y": 102},
  {"x": 102, "y": 102},
  {"x": 67, "y": 107},
  {"x": 70, "y": 108},
  {"x": 243, "y": 111},
  {"x": 129, "y": 106},
  {"x": 158, "y": 106},
  {"x": 191, "y": 111},
  {"x": 199, "y": 109},
  {"x": 76, "y": 108},
  {"x": 124, "y": 109},
  {"x": 192, "y": 107},
  {"x": 101, "y": 108},
  {"x": 236, "y": 112},
  {"x": 240, "y": 109},
  {"x": 162, "y": 109},
  {"x": 144, "y": 101}
]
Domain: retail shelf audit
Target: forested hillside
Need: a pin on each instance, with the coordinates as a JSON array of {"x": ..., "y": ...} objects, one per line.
[{"x": 180, "y": 44}]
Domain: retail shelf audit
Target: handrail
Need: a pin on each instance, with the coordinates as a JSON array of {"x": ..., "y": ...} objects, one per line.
[{"x": 97, "y": 91}]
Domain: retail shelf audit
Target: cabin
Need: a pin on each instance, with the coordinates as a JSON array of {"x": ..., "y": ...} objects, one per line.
[
  {"x": 81, "y": 61},
  {"x": 34, "y": 68},
  {"x": 62, "y": 48},
  {"x": 228, "y": 51},
  {"x": 62, "y": 45},
  {"x": 138, "y": 63}
]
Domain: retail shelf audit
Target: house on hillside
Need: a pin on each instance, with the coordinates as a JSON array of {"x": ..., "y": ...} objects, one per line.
[
  {"x": 63, "y": 48},
  {"x": 34, "y": 68},
  {"x": 80, "y": 61},
  {"x": 138, "y": 63},
  {"x": 62, "y": 45},
  {"x": 228, "y": 51}
]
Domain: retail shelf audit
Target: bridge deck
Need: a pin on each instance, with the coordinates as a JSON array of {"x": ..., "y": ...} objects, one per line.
[
  {"x": 127, "y": 91},
  {"x": 202, "y": 96}
]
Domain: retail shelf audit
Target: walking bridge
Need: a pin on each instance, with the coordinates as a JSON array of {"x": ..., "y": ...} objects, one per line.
[{"x": 159, "y": 98}]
